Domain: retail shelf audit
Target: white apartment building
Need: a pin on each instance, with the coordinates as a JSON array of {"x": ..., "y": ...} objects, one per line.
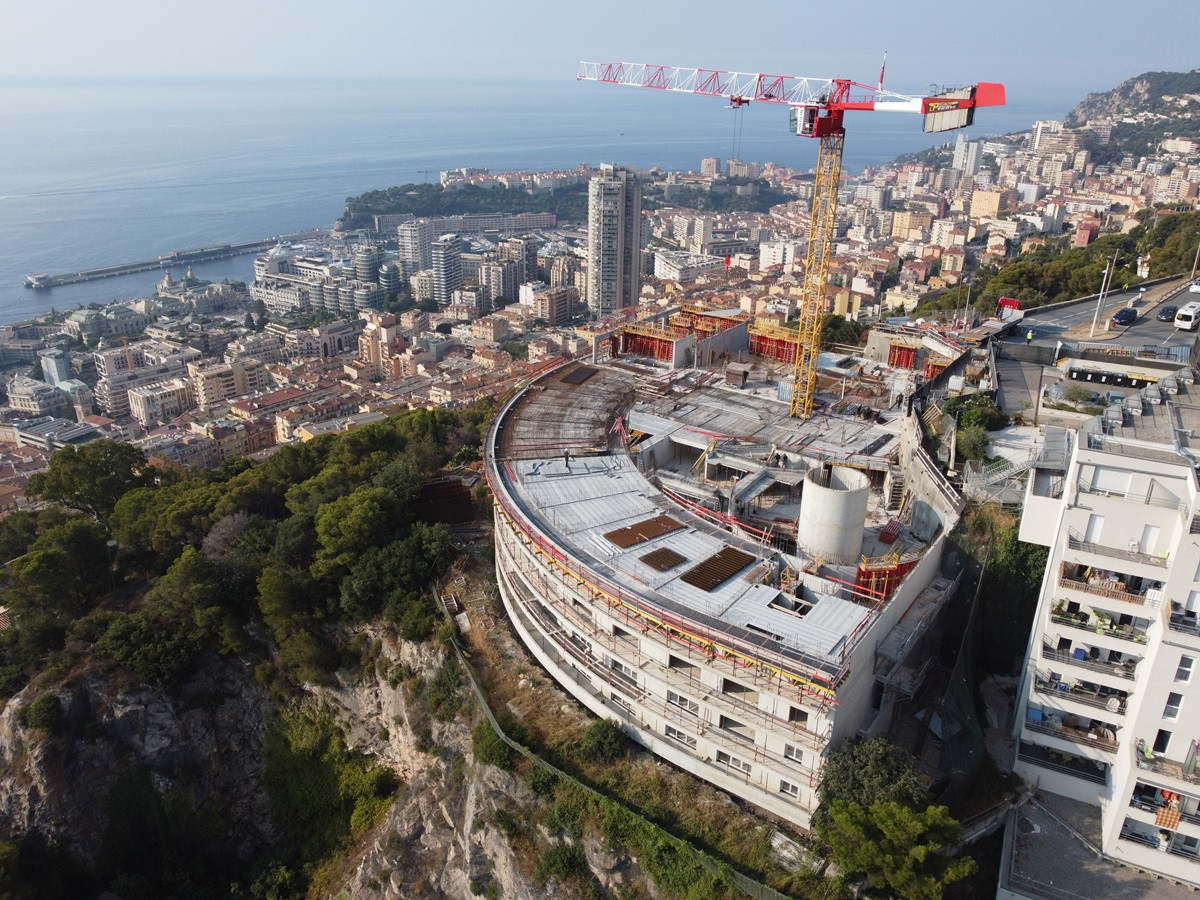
[{"x": 1107, "y": 710}]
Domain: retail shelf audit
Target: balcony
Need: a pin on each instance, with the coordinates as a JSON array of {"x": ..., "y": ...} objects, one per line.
[
  {"x": 1087, "y": 769},
  {"x": 1084, "y": 659},
  {"x": 1084, "y": 622},
  {"x": 1083, "y": 693},
  {"x": 1075, "y": 541},
  {"x": 1162, "y": 839},
  {"x": 1101, "y": 737},
  {"x": 1184, "y": 623},
  {"x": 1109, "y": 585},
  {"x": 1159, "y": 764},
  {"x": 1150, "y": 805}
]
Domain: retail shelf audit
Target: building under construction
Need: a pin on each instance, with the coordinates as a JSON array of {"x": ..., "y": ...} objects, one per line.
[{"x": 739, "y": 589}]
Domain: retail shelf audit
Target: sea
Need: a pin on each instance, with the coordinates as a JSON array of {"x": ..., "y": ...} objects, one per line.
[{"x": 97, "y": 172}]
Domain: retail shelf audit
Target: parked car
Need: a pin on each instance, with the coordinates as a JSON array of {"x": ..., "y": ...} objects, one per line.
[
  {"x": 1125, "y": 316},
  {"x": 1167, "y": 314}
]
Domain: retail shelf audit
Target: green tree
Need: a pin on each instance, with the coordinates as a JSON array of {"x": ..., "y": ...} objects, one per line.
[
  {"x": 973, "y": 443},
  {"x": 490, "y": 749},
  {"x": 870, "y": 771},
  {"x": 43, "y": 714},
  {"x": 1011, "y": 583},
  {"x": 189, "y": 593},
  {"x": 64, "y": 568},
  {"x": 896, "y": 847},
  {"x": 516, "y": 349},
  {"x": 18, "y": 529},
  {"x": 837, "y": 329},
  {"x": 604, "y": 741},
  {"x": 350, "y": 525},
  {"x": 92, "y": 478}
]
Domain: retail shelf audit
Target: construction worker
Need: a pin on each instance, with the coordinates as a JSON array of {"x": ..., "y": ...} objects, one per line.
[{"x": 1029, "y": 336}]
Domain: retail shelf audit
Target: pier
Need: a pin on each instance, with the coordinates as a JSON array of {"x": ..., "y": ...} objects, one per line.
[{"x": 177, "y": 258}]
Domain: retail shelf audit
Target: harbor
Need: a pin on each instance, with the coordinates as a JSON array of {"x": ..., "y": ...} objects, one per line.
[{"x": 40, "y": 281}]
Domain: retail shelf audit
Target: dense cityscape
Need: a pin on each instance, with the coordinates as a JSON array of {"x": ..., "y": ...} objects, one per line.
[{"x": 944, "y": 609}]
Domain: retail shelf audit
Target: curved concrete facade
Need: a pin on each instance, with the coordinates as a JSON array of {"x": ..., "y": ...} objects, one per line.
[{"x": 736, "y": 680}]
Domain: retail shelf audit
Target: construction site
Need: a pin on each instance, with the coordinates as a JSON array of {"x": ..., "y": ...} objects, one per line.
[
  {"x": 720, "y": 533},
  {"x": 740, "y": 589}
]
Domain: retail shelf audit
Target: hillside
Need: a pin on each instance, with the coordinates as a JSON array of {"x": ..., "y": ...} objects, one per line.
[
  {"x": 1144, "y": 109},
  {"x": 237, "y": 683}
]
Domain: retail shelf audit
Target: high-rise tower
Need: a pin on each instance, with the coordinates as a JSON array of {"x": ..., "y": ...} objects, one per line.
[
  {"x": 416, "y": 244},
  {"x": 614, "y": 240},
  {"x": 447, "y": 268}
]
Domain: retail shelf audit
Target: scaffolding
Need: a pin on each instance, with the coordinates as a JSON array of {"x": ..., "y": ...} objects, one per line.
[
  {"x": 643, "y": 339},
  {"x": 902, "y": 356},
  {"x": 883, "y": 574},
  {"x": 773, "y": 342}
]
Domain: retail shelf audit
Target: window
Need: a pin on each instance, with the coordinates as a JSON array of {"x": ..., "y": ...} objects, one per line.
[
  {"x": 682, "y": 736},
  {"x": 797, "y": 716},
  {"x": 795, "y": 754},
  {"x": 622, "y": 669},
  {"x": 792, "y": 790},
  {"x": 733, "y": 762},
  {"x": 684, "y": 703},
  {"x": 1184, "y": 672},
  {"x": 620, "y": 701},
  {"x": 1162, "y": 741},
  {"x": 1174, "y": 701}
]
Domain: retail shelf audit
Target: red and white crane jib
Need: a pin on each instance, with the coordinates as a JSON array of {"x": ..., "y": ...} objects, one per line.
[{"x": 833, "y": 95}]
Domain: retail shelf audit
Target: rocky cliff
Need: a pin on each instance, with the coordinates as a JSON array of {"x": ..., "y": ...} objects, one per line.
[
  {"x": 208, "y": 740},
  {"x": 440, "y": 838}
]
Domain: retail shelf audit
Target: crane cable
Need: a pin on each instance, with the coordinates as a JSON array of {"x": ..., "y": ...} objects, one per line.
[{"x": 735, "y": 152}]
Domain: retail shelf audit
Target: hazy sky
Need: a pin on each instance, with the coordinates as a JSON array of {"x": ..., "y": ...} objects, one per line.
[{"x": 1062, "y": 48}]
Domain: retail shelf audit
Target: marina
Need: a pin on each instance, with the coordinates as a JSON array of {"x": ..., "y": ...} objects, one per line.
[{"x": 40, "y": 281}]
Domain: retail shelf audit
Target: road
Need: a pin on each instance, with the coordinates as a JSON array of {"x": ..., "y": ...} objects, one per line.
[{"x": 1051, "y": 326}]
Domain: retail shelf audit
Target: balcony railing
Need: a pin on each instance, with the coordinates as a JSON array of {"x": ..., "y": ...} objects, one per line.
[
  {"x": 1184, "y": 624},
  {"x": 1140, "y": 499},
  {"x": 1119, "y": 632},
  {"x": 1088, "y": 770},
  {"x": 1119, "y": 670},
  {"x": 1067, "y": 733},
  {"x": 1138, "y": 837},
  {"x": 1163, "y": 766},
  {"x": 1113, "y": 703},
  {"x": 1106, "y": 587},
  {"x": 1153, "y": 808},
  {"x": 1075, "y": 541}
]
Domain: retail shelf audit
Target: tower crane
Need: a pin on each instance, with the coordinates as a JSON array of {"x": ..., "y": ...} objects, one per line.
[{"x": 817, "y": 109}]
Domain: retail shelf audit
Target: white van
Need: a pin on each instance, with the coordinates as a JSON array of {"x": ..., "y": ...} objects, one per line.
[{"x": 1188, "y": 317}]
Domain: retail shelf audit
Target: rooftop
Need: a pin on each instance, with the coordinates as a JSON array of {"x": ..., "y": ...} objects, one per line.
[{"x": 665, "y": 545}]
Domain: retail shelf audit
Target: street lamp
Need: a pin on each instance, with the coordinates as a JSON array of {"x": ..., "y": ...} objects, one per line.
[{"x": 1109, "y": 269}]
